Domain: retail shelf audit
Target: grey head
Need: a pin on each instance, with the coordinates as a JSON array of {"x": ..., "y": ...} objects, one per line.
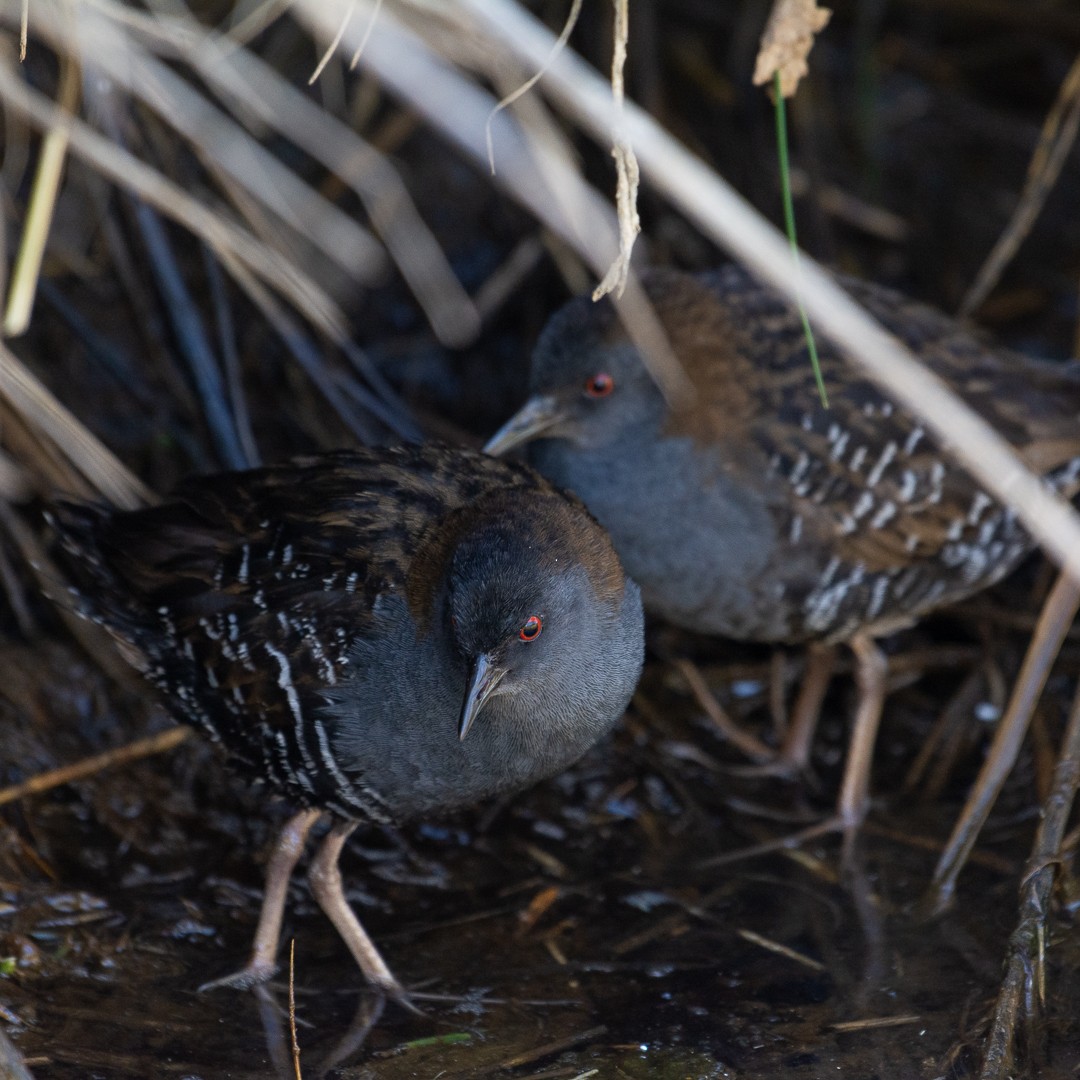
[
  {"x": 523, "y": 645},
  {"x": 588, "y": 384},
  {"x": 659, "y": 478},
  {"x": 541, "y": 609}
]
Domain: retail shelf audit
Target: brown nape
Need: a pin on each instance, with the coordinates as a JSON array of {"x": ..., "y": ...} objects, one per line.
[
  {"x": 550, "y": 526},
  {"x": 706, "y": 343},
  {"x": 562, "y": 544}
]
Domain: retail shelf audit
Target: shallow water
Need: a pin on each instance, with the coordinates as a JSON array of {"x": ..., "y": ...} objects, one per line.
[{"x": 571, "y": 929}]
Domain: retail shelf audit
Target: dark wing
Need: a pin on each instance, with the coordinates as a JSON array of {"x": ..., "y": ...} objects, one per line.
[
  {"x": 242, "y": 595},
  {"x": 865, "y": 472}
]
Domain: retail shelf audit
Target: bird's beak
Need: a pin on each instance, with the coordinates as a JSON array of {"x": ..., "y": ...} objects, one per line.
[
  {"x": 483, "y": 679},
  {"x": 539, "y": 413}
]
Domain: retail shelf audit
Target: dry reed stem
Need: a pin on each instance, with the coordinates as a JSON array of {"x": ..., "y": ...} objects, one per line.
[
  {"x": 1055, "y": 141},
  {"x": 116, "y": 37},
  {"x": 263, "y": 100},
  {"x": 626, "y": 167},
  {"x": 780, "y": 949},
  {"x": 40, "y": 209},
  {"x": 80, "y": 770},
  {"x": 1056, "y": 617},
  {"x": 170, "y": 199},
  {"x": 109, "y": 47},
  {"x": 744, "y": 741},
  {"x": 42, "y": 412},
  {"x": 294, "y": 1043},
  {"x": 1024, "y": 985}
]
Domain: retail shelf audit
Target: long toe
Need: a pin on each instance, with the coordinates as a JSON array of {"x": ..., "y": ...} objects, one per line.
[
  {"x": 396, "y": 993},
  {"x": 253, "y": 974}
]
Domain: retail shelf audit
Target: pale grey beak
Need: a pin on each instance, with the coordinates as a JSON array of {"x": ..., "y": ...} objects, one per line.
[
  {"x": 533, "y": 418},
  {"x": 483, "y": 679}
]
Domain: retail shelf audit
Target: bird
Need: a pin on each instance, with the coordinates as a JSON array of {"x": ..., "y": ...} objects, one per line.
[
  {"x": 377, "y": 635},
  {"x": 748, "y": 509}
]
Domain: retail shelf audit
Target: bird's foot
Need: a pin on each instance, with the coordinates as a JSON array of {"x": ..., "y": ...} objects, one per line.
[
  {"x": 393, "y": 991},
  {"x": 250, "y": 975},
  {"x": 256, "y": 974}
]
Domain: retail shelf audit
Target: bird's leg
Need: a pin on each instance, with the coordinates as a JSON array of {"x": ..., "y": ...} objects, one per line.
[
  {"x": 871, "y": 667},
  {"x": 778, "y": 680},
  {"x": 286, "y": 854},
  {"x": 324, "y": 874},
  {"x": 795, "y": 751}
]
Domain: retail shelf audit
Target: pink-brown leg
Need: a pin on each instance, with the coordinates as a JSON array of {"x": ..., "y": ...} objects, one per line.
[
  {"x": 871, "y": 667},
  {"x": 324, "y": 875},
  {"x": 795, "y": 751},
  {"x": 286, "y": 854}
]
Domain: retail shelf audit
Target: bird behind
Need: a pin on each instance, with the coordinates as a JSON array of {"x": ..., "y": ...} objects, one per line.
[{"x": 754, "y": 512}]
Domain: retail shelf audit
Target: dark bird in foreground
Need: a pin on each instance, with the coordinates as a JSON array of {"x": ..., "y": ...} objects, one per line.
[
  {"x": 756, "y": 513},
  {"x": 379, "y": 634}
]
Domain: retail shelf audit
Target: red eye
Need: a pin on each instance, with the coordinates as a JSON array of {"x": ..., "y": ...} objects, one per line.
[
  {"x": 599, "y": 385},
  {"x": 531, "y": 630}
]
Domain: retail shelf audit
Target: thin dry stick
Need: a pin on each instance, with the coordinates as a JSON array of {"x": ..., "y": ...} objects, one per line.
[
  {"x": 626, "y": 166},
  {"x": 767, "y": 847},
  {"x": 752, "y": 747},
  {"x": 292, "y": 1009},
  {"x": 1055, "y": 141},
  {"x": 39, "y": 212},
  {"x": 528, "y": 84},
  {"x": 367, "y": 34},
  {"x": 1025, "y": 974},
  {"x": 80, "y": 770},
  {"x": 1054, "y": 621},
  {"x": 548, "y": 1049},
  {"x": 332, "y": 47},
  {"x": 872, "y": 1023},
  {"x": 780, "y": 949}
]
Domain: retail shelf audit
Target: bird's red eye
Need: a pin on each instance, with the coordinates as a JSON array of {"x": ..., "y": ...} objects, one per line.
[
  {"x": 599, "y": 385},
  {"x": 531, "y": 630}
]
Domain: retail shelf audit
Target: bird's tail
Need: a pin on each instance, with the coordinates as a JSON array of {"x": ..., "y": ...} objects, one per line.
[{"x": 92, "y": 587}]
